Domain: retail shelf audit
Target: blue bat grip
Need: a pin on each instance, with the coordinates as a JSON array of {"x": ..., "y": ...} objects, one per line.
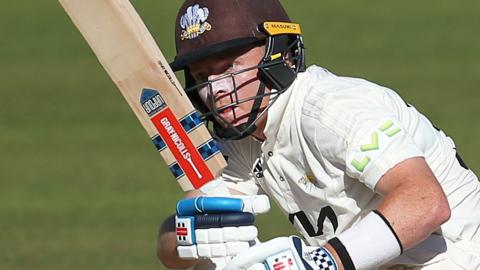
[{"x": 210, "y": 205}]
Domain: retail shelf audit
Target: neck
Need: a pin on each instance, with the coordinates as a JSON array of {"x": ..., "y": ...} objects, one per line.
[{"x": 259, "y": 133}]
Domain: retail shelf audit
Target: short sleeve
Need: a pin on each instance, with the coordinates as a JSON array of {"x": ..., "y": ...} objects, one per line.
[
  {"x": 355, "y": 131},
  {"x": 377, "y": 146}
]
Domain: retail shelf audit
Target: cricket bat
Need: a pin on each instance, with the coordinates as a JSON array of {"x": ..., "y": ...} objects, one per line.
[{"x": 130, "y": 55}]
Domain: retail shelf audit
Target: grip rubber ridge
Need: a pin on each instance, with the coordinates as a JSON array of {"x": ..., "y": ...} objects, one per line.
[
  {"x": 209, "y": 205},
  {"x": 224, "y": 220}
]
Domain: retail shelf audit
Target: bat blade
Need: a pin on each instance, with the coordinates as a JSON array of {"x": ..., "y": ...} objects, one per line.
[{"x": 131, "y": 57}]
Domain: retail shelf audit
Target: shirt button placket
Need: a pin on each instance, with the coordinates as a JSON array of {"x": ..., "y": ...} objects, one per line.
[{"x": 270, "y": 154}]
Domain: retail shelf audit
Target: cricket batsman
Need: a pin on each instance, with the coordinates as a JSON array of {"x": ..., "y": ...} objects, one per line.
[{"x": 365, "y": 178}]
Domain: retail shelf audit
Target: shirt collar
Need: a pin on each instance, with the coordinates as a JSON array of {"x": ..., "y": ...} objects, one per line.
[{"x": 275, "y": 114}]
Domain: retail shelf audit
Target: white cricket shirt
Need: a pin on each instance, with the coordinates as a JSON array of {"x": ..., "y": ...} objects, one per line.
[{"x": 329, "y": 140}]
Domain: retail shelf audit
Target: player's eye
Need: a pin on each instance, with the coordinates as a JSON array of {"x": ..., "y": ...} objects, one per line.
[
  {"x": 231, "y": 67},
  {"x": 200, "y": 77}
]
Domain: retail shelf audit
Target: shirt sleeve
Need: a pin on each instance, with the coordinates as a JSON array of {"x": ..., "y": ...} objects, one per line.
[
  {"x": 376, "y": 147},
  {"x": 241, "y": 156},
  {"x": 355, "y": 131}
]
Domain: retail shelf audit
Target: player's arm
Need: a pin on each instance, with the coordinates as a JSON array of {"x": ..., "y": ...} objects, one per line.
[
  {"x": 414, "y": 205},
  {"x": 414, "y": 202}
]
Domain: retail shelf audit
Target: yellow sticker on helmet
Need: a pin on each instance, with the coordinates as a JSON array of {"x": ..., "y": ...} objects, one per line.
[
  {"x": 279, "y": 28},
  {"x": 275, "y": 56}
]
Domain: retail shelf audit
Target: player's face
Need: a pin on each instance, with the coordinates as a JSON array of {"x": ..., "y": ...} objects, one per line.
[{"x": 233, "y": 83}]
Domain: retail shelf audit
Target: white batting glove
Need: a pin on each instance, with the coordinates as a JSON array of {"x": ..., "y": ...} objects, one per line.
[
  {"x": 281, "y": 254},
  {"x": 217, "y": 227}
]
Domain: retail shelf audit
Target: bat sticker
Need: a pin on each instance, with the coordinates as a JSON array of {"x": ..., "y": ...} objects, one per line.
[
  {"x": 207, "y": 150},
  {"x": 189, "y": 160},
  {"x": 170, "y": 78},
  {"x": 151, "y": 101},
  {"x": 189, "y": 123}
]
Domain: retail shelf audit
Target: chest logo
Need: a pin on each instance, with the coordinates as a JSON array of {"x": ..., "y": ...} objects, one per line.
[
  {"x": 194, "y": 22},
  {"x": 325, "y": 213},
  {"x": 258, "y": 169}
]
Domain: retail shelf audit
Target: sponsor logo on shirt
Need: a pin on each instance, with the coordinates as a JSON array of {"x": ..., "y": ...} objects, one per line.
[{"x": 373, "y": 143}]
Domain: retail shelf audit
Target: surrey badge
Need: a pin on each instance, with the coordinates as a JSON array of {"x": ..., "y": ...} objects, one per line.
[{"x": 194, "y": 22}]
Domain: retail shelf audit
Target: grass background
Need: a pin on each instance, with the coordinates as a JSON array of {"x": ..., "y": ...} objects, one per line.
[{"x": 81, "y": 186}]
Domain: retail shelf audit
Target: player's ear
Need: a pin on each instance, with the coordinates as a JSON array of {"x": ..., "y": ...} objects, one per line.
[{"x": 289, "y": 59}]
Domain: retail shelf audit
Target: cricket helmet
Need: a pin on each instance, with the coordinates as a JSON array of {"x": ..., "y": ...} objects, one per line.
[{"x": 206, "y": 28}]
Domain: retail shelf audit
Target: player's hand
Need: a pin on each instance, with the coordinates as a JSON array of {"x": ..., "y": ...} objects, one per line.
[
  {"x": 282, "y": 253},
  {"x": 217, "y": 227}
]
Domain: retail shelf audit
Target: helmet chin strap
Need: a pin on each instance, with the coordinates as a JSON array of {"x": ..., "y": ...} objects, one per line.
[{"x": 243, "y": 130}]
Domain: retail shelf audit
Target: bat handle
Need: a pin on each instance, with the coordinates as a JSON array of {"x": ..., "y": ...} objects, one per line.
[{"x": 216, "y": 187}]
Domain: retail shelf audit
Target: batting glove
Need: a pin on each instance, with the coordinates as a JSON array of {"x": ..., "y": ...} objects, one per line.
[
  {"x": 217, "y": 227},
  {"x": 283, "y": 253}
]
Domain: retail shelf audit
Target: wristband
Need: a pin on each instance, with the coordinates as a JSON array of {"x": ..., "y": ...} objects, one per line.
[{"x": 372, "y": 242}]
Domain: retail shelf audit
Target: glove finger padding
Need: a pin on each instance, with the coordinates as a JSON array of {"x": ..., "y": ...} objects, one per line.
[
  {"x": 226, "y": 234},
  {"x": 255, "y": 204},
  {"x": 212, "y": 227},
  {"x": 215, "y": 242}
]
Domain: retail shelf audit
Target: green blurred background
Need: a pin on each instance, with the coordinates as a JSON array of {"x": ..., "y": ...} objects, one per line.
[{"x": 81, "y": 186}]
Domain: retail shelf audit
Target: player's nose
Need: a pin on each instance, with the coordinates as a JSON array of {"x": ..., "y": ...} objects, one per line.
[{"x": 221, "y": 84}]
